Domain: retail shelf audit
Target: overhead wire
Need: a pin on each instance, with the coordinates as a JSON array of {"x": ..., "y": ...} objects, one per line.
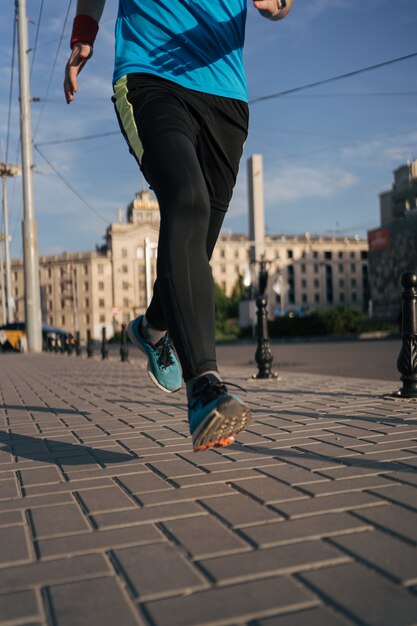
[
  {"x": 324, "y": 81},
  {"x": 70, "y": 187},
  {"x": 44, "y": 99},
  {"x": 35, "y": 45},
  {"x": 9, "y": 114}
]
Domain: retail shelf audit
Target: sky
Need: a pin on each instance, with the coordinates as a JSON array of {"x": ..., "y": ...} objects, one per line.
[{"x": 328, "y": 151}]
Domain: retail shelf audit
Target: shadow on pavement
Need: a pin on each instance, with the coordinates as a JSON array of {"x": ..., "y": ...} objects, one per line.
[
  {"x": 291, "y": 457},
  {"x": 41, "y": 409},
  {"x": 52, "y": 451}
]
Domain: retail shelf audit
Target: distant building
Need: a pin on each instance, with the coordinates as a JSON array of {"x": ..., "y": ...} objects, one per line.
[
  {"x": 393, "y": 246},
  {"x": 109, "y": 286}
]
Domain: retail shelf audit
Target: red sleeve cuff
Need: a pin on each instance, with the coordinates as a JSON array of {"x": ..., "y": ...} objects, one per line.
[{"x": 84, "y": 29}]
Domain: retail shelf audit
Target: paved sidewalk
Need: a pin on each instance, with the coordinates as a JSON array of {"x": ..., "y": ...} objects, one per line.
[{"x": 107, "y": 518}]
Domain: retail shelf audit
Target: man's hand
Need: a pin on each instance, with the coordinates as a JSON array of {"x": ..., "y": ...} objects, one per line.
[
  {"x": 271, "y": 8},
  {"x": 81, "y": 52}
]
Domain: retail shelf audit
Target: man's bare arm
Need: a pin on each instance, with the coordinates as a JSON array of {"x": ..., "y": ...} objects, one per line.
[
  {"x": 81, "y": 50},
  {"x": 272, "y": 9}
]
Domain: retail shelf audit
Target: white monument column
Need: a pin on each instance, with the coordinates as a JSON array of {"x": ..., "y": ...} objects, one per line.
[{"x": 256, "y": 207}]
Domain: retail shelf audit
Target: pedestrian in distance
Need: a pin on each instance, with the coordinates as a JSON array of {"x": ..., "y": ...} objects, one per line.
[{"x": 180, "y": 96}]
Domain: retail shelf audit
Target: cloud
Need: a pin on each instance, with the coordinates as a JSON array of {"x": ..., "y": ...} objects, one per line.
[{"x": 302, "y": 183}]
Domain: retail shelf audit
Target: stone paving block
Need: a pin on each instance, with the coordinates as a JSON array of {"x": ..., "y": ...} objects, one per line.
[
  {"x": 159, "y": 570},
  {"x": 404, "y": 477},
  {"x": 292, "y": 531},
  {"x": 239, "y": 511},
  {"x": 392, "y": 518},
  {"x": 400, "y": 494},
  {"x": 176, "y": 468},
  {"x": 11, "y": 518},
  {"x": 205, "y": 536},
  {"x": 99, "y": 541},
  {"x": 383, "y": 604},
  {"x": 216, "y": 477},
  {"x": 232, "y": 604},
  {"x": 106, "y": 499},
  {"x": 393, "y": 557},
  {"x": 293, "y": 475},
  {"x": 40, "y": 476},
  {"x": 58, "y": 520},
  {"x": 148, "y": 514},
  {"x": 69, "y": 486},
  {"x": 142, "y": 483},
  {"x": 100, "y": 601},
  {"x": 185, "y": 494},
  {"x": 328, "y": 504},
  {"x": 273, "y": 561},
  {"x": 46, "y": 572},
  {"x": 8, "y": 489},
  {"x": 14, "y": 545},
  {"x": 267, "y": 490},
  {"x": 20, "y": 607},
  {"x": 344, "y": 486},
  {"x": 320, "y": 616}
]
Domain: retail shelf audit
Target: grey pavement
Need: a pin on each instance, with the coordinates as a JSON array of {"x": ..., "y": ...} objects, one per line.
[{"x": 107, "y": 517}]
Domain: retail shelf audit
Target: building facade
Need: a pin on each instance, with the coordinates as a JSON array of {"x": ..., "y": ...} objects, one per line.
[
  {"x": 393, "y": 246},
  {"x": 109, "y": 286}
]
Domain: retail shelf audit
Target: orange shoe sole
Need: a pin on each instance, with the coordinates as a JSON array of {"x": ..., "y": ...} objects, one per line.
[{"x": 220, "y": 443}]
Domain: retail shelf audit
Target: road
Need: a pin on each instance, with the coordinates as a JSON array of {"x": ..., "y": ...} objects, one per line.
[{"x": 371, "y": 359}]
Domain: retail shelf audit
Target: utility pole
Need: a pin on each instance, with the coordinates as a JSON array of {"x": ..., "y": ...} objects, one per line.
[
  {"x": 3, "y": 291},
  {"x": 29, "y": 229},
  {"x": 7, "y": 170}
]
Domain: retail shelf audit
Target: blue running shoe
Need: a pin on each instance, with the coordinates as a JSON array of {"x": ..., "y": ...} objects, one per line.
[
  {"x": 214, "y": 415},
  {"x": 163, "y": 367}
]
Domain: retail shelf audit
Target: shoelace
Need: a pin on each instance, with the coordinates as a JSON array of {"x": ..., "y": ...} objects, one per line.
[
  {"x": 165, "y": 358},
  {"x": 211, "y": 390}
]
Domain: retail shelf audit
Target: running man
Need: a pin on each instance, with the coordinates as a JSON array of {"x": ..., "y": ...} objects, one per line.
[{"x": 181, "y": 100}]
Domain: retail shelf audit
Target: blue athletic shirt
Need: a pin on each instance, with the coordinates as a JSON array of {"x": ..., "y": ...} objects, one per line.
[{"x": 195, "y": 43}]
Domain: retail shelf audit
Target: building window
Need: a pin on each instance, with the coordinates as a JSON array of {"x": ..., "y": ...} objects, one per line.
[
  {"x": 304, "y": 298},
  {"x": 340, "y": 254},
  {"x": 341, "y": 268},
  {"x": 315, "y": 254},
  {"x": 316, "y": 283},
  {"x": 124, "y": 253},
  {"x": 51, "y": 320},
  {"x": 222, "y": 253},
  {"x": 102, "y": 319},
  {"x": 289, "y": 254},
  {"x": 62, "y": 304},
  {"x": 101, "y": 286},
  {"x": 85, "y": 286},
  {"x": 304, "y": 284},
  {"x": 317, "y": 298},
  {"x": 16, "y": 292},
  {"x": 15, "y": 276},
  {"x": 364, "y": 254},
  {"x": 316, "y": 268},
  {"x": 50, "y": 305},
  {"x": 341, "y": 297},
  {"x": 223, "y": 268},
  {"x": 236, "y": 253},
  {"x": 49, "y": 272},
  {"x": 125, "y": 285},
  {"x": 352, "y": 255},
  {"x": 352, "y": 268},
  {"x": 353, "y": 282},
  {"x": 100, "y": 268},
  {"x": 86, "y": 303},
  {"x": 87, "y": 319},
  {"x": 86, "y": 270},
  {"x": 63, "y": 320},
  {"x": 354, "y": 297},
  {"x": 341, "y": 283},
  {"x": 49, "y": 290},
  {"x": 101, "y": 303},
  {"x": 303, "y": 268},
  {"x": 125, "y": 269},
  {"x": 328, "y": 255},
  {"x": 237, "y": 269}
]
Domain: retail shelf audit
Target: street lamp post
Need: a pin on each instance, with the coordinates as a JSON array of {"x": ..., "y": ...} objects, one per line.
[{"x": 8, "y": 170}]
